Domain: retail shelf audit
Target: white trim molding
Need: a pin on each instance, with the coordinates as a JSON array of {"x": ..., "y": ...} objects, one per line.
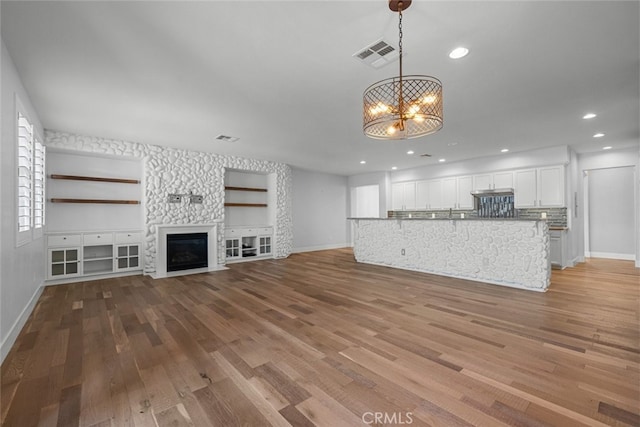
[
  {"x": 612, "y": 255},
  {"x": 321, "y": 247},
  {"x": 17, "y": 326},
  {"x": 163, "y": 230}
]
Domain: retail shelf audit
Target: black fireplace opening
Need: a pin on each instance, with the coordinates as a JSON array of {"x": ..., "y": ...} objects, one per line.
[{"x": 187, "y": 251}]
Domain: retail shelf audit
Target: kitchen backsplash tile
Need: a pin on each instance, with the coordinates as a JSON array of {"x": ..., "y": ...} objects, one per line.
[{"x": 556, "y": 217}]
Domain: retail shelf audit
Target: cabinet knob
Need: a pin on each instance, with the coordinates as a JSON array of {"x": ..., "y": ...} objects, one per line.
[{"x": 64, "y": 238}]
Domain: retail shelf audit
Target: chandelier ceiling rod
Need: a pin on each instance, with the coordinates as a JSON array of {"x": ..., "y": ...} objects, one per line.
[{"x": 400, "y": 99}]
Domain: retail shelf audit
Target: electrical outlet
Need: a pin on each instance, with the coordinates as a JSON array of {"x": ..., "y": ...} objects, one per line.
[
  {"x": 174, "y": 198},
  {"x": 402, "y": 252},
  {"x": 196, "y": 199}
]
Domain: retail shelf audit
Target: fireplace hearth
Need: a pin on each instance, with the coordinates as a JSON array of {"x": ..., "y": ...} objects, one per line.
[{"x": 187, "y": 251}]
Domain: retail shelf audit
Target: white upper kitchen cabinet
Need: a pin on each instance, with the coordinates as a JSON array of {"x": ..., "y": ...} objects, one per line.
[
  {"x": 490, "y": 181},
  {"x": 450, "y": 193},
  {"x": 503, "y": 179},
  {"x": 525, "y": 192},
  {"x": 540, "y": 188},
  {"x": 422, "y": 195},
  {"x": 551, "y": 186},
  {"x": 483, "y": 182},
  {"x": 435, "y": 194},
  {"x": 403, "y": 196},
  {"x": 429, "y": 194},
  {"x": 465, "y": 187}
]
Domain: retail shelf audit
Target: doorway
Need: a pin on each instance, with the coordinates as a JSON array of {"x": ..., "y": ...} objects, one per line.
[{"x": 609, "y": 213}]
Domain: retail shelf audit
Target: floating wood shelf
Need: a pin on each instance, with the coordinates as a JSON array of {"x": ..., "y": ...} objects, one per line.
[
  {"x": 95, "y": 178},
  {"x": 112, "y": 202},
  {"x": 262, "y": 190},
  {"x": 248, "y": 205}
]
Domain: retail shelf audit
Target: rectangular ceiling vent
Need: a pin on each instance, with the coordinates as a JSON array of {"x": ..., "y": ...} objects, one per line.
[
  {"x": 227, "y": 138},
  {"x": 377, "y": 54}
]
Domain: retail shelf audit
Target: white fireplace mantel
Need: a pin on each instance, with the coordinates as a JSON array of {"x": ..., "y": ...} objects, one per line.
[{"x": 162, "y": 230}]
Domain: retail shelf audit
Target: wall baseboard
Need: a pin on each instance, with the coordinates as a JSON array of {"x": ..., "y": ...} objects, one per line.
[
  {"x": 17, "y": 326},
  {"x": 320, "y": 248},
  {"x": 612, "y": 255},
  {"x": 577, "y": 260}
]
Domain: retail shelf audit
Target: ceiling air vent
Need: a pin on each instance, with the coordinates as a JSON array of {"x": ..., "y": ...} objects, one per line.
[
  {"x": 227, "y": 138},
  {"x": 377, "y": 54},
  {"x": 425, "y": 155}
]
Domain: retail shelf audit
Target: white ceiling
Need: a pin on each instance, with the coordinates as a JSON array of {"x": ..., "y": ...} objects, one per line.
[{"x": 281, "y": 77}]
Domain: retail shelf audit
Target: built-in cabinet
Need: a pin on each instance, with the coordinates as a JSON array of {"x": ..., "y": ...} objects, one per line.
[
  {"x": 540, "y": 187},
  {"x": 463, "y": 196},
  {"x": 558, "y": 248},
  {"x": 444, "y": 193},
  {"x": 491, "y": 181},
  {"x": 536, "y": 187},
  {"x": 79, "y": 254},
  {"x": 248, "y": 243},
  {"x": 249, "y": 231},
  {"x": 403, "y": 196},
  {"x": 449, "y": 193}
]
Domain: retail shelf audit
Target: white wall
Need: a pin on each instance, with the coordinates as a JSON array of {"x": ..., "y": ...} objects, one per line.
[
  {"x": 21, "y": 268},
  {"x": 319, "y": 211},
  {"x": 611, "y": 213}
]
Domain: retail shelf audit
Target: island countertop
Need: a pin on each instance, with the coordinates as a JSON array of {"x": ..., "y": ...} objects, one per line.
[{"x": 504, "y": 251}]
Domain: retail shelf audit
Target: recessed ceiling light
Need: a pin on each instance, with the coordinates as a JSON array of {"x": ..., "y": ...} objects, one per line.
[
  {"x": 589, "y": 116},
  {"x": 504, "y": 150},
  {"x": 410, "y": 152},
  {"x": 459, "y": 52},
  {"x": 598, "y": 135},
  {"x": 394, "y": 168},
  {"x": 362, "y": 162},
  {"x": 442, "y": 160},
  {"x": 608, "y": 147}
]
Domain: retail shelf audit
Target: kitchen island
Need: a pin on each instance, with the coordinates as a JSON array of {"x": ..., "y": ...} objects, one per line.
[{"x": 507, "y": 252}]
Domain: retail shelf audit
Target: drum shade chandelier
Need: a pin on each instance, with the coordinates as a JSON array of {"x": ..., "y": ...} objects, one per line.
[{"x": 402, "y": 107}]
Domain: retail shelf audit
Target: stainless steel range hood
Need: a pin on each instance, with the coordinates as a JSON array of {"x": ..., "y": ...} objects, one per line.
[{"x": 493, "y": 192}]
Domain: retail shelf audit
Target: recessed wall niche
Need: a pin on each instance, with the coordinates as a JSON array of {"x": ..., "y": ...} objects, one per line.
[
  {"x": 76, "y": 216},
  {"x": 249, "y": 198}
]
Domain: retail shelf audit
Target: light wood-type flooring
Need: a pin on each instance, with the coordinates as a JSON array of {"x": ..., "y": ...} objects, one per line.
[{"x": 320, "y": 339}]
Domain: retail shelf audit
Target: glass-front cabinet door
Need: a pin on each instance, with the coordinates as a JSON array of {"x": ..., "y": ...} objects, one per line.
[
  {"x": 63, "y": 262},
  {"x": 265, "y": 245},
  {"x": 127, "y": 257}
]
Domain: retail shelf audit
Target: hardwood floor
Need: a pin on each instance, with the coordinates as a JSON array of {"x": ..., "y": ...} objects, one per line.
[{"x": 319, "y": 339}]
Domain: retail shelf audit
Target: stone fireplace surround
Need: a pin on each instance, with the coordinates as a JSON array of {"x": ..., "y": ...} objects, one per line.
[{"x": 171, "y": 170}]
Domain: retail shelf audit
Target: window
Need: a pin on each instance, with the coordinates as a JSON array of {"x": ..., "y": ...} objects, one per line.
[
  {"x": 30, "y": 181},
  {"x": 38, "y": 184},
  {"x": 25, "y": 173}
]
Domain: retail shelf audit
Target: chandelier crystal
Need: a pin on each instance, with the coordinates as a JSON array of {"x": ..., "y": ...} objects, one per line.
[{"x": 402, "y": 107}]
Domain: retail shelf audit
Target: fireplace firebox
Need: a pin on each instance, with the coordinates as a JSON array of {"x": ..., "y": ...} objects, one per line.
[{"x": 187, "y": 251}]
